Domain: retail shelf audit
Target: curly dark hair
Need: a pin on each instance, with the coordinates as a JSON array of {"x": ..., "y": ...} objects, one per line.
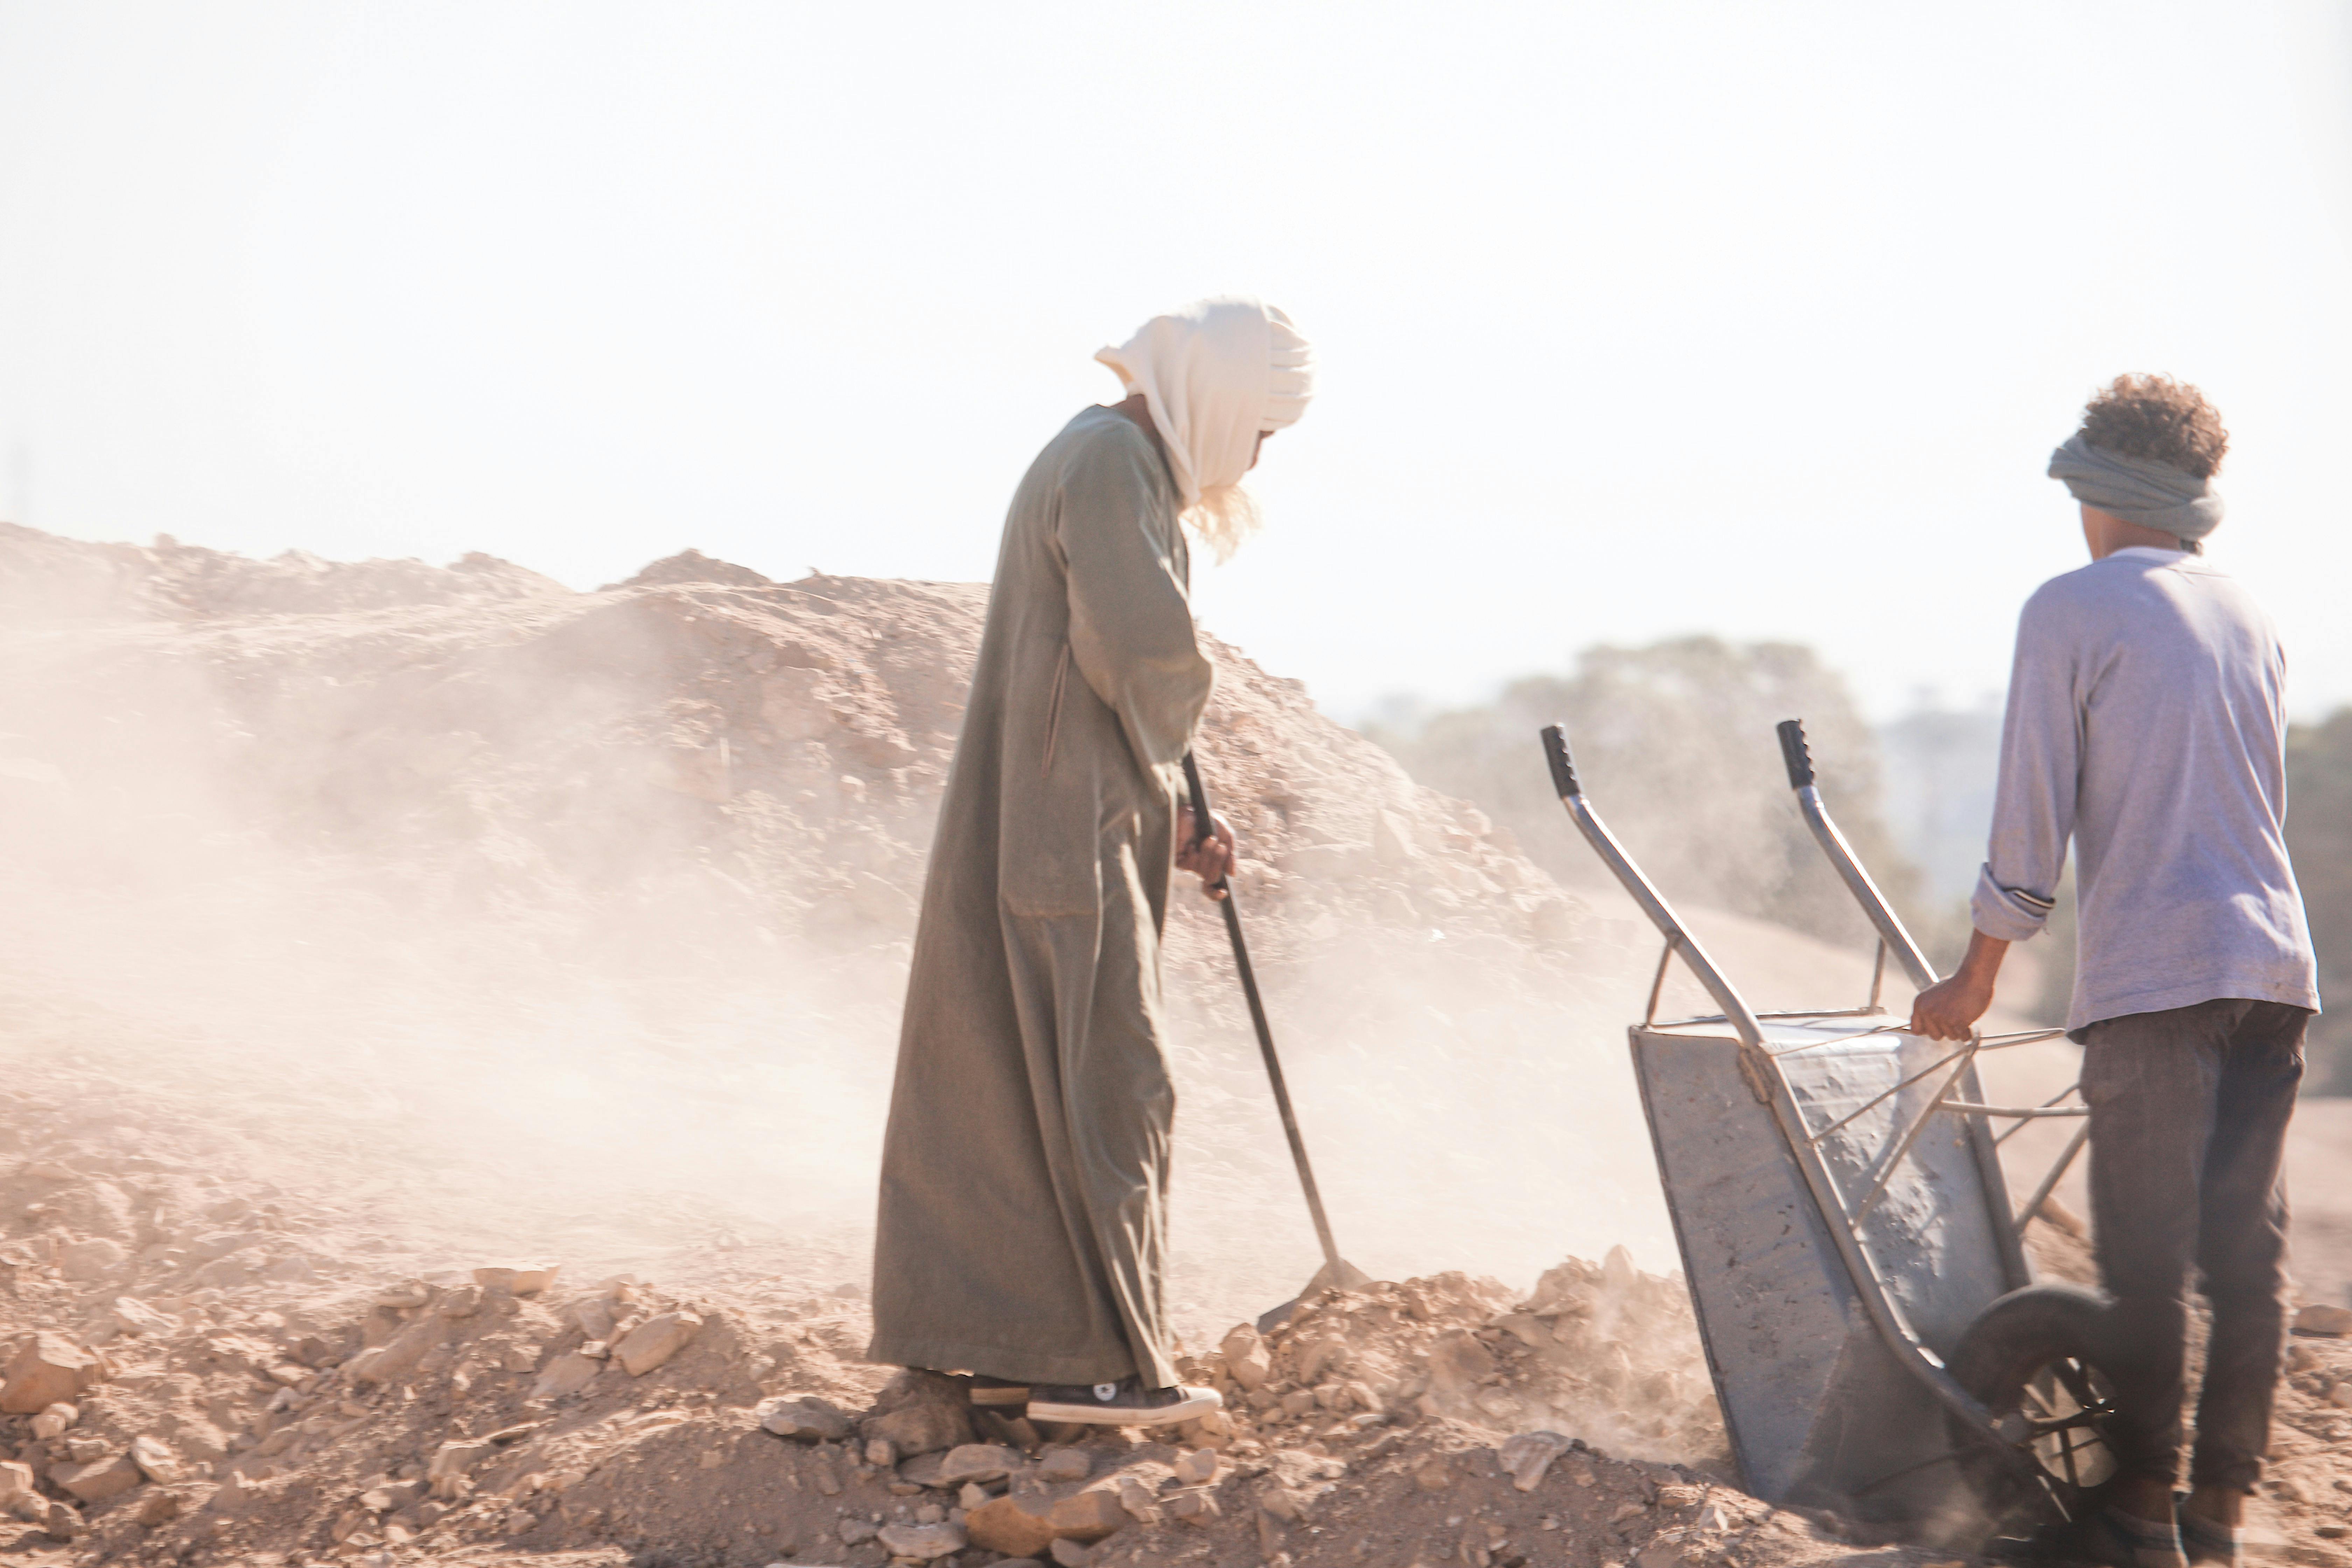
[{"x": 2158, "y": 419}]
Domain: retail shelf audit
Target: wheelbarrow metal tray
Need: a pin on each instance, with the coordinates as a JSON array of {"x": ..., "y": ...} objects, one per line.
[{"x": 1820, "y": 1409}]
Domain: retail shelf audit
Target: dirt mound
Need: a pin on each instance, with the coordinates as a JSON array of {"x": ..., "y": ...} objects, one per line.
[
  {"x": 661, "y": 845},
  {"x": 44, "y": 578}
]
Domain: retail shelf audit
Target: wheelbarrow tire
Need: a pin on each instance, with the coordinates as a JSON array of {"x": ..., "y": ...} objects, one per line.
[{"x": 2017, "y": 1339}]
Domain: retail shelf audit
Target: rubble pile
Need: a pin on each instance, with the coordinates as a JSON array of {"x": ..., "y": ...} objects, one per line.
[{"x": 442, "y": 1023}]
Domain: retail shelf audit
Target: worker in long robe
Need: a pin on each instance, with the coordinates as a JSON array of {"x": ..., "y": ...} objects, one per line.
[{"x": 1022, "y": 1230}]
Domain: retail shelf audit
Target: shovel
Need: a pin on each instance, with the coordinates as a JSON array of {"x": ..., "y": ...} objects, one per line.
[{"x": 1337, "y": 1271}]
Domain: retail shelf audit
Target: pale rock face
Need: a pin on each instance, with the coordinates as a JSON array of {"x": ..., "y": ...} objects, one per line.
[
  {"x": 53, "y": 1421},
  {"x": 47, "y": 1369},
  {"x": 99, "y": 1479}
]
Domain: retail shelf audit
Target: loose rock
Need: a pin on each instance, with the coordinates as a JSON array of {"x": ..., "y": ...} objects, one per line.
[
  {"x": 924, "y": 1541},
  {"x": 2320, "y": 1318},
  {"x": 98, "y": 1479},
  {"x": 655, "y": 1340},
  {"x": 49, "y": 1369}
]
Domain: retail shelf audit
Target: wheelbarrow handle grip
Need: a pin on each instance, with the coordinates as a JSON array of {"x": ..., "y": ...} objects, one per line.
[
  {"x": 1796, "y": 754},
  {"x": 1563, "y": 766}
]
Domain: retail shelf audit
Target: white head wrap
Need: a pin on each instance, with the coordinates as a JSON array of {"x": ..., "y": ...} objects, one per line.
[{"x": 1216, "y": 374}]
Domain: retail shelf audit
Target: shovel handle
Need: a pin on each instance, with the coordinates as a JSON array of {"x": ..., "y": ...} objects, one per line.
[
  {"x": 1203, "y": 823},
  {"x": 1265, "y": 1030}
]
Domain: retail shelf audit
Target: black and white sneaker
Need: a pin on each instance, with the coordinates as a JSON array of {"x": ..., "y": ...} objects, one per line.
[{"x": 1126, "y": 1403}]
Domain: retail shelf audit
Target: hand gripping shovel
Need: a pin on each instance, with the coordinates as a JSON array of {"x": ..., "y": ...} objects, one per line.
[{"x": 1336, "y": 1270}]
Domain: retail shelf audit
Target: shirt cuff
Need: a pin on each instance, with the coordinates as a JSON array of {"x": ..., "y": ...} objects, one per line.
[{"x": 2006, "y": 914}]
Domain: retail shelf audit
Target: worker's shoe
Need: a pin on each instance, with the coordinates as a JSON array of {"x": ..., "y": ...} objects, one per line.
[
  {"x": 2120, "y": 1540},
  {"x": 2210, "y": 1545},
  {"x": 1126, "y": 1403}
]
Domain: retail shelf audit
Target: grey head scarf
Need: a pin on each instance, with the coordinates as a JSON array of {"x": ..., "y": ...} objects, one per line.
[{"x": 2136, "y": 490}]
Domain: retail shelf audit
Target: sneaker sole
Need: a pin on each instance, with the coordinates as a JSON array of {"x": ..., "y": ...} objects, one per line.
[{"x": 1197, "y": 1402}]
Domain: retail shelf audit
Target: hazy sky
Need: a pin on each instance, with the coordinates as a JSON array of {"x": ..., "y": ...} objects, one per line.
[{"x": 1633, "y": 320}]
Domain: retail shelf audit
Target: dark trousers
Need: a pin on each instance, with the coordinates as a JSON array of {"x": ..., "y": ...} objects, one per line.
[{"x": 2188, "y": 1117}]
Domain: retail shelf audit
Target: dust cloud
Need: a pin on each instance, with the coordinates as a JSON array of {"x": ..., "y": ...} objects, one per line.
[{"x": 578, "y": 924}]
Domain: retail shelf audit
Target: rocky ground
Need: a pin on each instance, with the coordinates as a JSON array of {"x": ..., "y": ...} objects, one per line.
[{"x": 442, "y": 1026}]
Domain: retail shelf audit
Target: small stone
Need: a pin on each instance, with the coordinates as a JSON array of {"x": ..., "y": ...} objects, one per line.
[
  {"x": 977, "y": 1462},
  {"x": 1528, "y": 1454},
  {"x": 1298, "y": 1402},
  {"x": 1064, "y": 1465},
  {"x": 157, "y": 1507},
  {"x": 655, "y": 1340},
  {"x": 1140, "y": 1502},
  {"x": 100, "y": 1479},
  {"x": 857, "y": 1531},
  {"x": 1659, "y": 1554},
  {"x": 972, "y": 1496},
  {"x": 84, "y": 1449},
  {"x": 15, "y": 1482},
  {"x": 1245, "y": 1357},
  {"x": 920, "y": 1413},
  {"x": 517, "y": 1281},
  {"x": 926, "y": 1541},
  {"x": 60, "y": 1521},
  {"x": 1016, "y": 1524},
  {"x": 1194, "y": 1507},
  {"x": 1088, "y": 1514},
  {"x": 1196, "y": 1468},
  {"x": 880, "y": 1453},
  {"x": 53, "y": 1422},
  {"x": 1434, "y": 1475},
  {"x": 2340, "y": 1395},
  {"x": 451, "y": 1464},
  {"x": 1068, "y": 1553},
  {"x": 2326, "y": 1321},
  {"x": 156, "y": 1459},
  {"x": 47, "y": 1369},
  {"x": 566, "y": 1376}
]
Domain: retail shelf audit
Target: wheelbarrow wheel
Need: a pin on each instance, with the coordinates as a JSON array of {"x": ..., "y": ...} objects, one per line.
[{"x": 2037, "y": 1358}]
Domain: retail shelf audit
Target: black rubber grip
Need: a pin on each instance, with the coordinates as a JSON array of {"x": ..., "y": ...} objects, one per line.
[
  {"x": 1563, "y": 766},
  {"x": 1796, "y": 754}
]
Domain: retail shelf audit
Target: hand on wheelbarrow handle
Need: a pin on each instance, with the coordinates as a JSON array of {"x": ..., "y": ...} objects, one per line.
[{"x": 1796, "y": 754}]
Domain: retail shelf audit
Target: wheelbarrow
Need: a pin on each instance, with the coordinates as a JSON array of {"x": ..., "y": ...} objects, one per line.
[{"x": 1877, "y": 1342}]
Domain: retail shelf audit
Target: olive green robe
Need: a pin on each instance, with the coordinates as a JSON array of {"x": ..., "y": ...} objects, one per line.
[{"x": 1023, "y": 1229}]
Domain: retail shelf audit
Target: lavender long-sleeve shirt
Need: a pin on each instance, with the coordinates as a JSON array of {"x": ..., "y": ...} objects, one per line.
[{"x": 2147, "y": 719}]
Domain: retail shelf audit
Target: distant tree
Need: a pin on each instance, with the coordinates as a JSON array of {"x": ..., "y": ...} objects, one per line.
[
  {"x": 1675, "y": 742},
  {"x": 2319, "y": 835}
]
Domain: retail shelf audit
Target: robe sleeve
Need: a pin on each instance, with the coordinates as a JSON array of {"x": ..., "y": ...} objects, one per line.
[{"x": 1130, "y": 618}]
